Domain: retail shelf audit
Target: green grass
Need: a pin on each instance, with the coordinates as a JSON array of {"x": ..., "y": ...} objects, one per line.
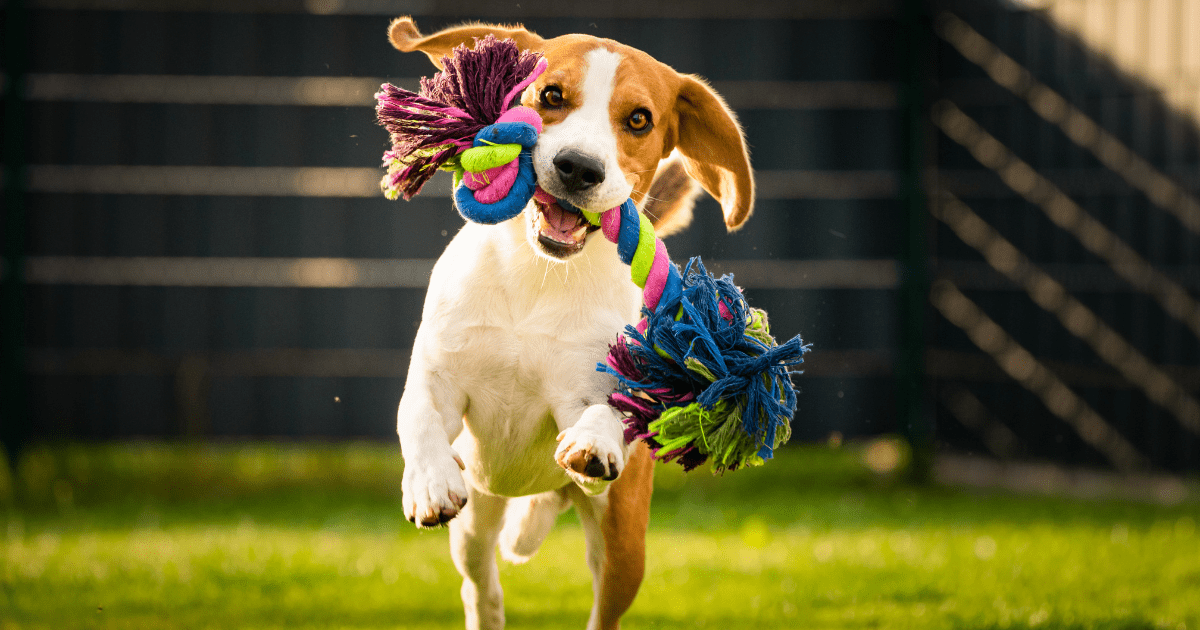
[{"x": 311, "y": 536}]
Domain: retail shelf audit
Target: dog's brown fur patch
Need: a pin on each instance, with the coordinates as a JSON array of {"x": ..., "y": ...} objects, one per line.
[{"x": 671, "y": 198}]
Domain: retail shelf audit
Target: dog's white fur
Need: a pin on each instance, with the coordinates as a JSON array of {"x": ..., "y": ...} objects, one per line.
[
  {"x": 502, "y": 400},
  {"x": 513, "y": 336}
]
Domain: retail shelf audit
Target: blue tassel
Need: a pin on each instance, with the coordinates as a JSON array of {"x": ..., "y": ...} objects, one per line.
[{"x": 750, "y": 376}]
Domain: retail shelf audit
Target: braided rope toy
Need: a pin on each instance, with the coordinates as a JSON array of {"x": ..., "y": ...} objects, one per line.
[{"x": 700, "y": 377}]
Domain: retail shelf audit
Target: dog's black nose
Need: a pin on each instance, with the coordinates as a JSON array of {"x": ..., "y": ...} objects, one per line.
[{"x": 577, "y": 171}]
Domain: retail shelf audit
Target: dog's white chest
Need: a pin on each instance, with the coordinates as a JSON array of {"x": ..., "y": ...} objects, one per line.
[{"x": 521, "y": 336}]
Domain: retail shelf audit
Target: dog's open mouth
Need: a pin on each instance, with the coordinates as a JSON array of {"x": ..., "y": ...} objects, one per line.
[{"x": 561, "y": 232}]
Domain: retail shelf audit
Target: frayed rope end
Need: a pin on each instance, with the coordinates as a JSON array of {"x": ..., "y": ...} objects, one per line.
[{"x": 705, "y": 381}]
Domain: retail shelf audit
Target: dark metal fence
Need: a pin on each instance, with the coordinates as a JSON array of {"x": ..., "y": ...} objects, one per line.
[
  {"x": 1068, "y": 245},
  {"x": 206, "y": 252}
]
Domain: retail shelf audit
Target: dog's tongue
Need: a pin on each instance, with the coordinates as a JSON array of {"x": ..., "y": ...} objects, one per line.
[{"x": 560, "y": 224}]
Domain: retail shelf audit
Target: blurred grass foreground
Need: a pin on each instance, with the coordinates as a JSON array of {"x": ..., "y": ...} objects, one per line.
[{"x": 311, "y": 536}]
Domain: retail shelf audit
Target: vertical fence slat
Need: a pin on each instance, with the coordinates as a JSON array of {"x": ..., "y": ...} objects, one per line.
[
  {"x": 14, "y": 409},
  {"x": 914, "y": 417}
]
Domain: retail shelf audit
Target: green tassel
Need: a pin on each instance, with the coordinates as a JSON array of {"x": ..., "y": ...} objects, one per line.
[
  {"x": 717, "y": 433},
  {"x": 757, "y": 327},
  {"x": 694, "y": 364}
]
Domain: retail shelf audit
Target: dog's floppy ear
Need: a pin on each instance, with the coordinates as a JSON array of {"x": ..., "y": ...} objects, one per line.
[
  {"x": 405, "y": 37},
  {"x": 671, "y": 197},
  {"x": 714, "y": 149}
]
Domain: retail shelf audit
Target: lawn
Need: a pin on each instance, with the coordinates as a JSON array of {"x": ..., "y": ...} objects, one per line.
[{"x": 311, "y": 536}]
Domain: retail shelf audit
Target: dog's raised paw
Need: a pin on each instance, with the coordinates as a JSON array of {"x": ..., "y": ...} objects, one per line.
[
  {"x": 589, "y": 458},
  {"x": 434, "y": 492}
]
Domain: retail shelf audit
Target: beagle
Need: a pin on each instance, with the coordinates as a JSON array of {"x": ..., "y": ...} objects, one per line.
[{"x": 503, "y": 423}]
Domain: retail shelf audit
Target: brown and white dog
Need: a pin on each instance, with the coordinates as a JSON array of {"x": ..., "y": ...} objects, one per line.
[{"x": 503, "y": 423}]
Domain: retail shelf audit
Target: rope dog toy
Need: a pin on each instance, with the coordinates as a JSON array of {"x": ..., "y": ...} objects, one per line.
[{"x": 699, "y": 377}]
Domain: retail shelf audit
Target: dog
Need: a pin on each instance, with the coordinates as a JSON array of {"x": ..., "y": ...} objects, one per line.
[{"x": 503, "y": 423}]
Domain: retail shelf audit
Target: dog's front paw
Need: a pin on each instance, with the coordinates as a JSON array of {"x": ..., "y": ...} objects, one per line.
[
  {"x": 590, "y": 459},
  {"x": 434, "y": 491}
]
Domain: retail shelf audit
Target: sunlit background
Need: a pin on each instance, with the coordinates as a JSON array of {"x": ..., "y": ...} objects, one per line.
[{"x": 984, "y": 215}]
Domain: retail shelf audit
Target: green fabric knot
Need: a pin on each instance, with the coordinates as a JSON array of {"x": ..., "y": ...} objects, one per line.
[{"x": 480, "y": 159}]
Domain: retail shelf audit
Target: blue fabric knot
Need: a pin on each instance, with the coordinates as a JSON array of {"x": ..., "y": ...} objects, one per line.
[{"x": 518, "y": 197}]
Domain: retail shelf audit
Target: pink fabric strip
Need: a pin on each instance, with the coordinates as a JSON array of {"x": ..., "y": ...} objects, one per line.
[
  {"x": 523, "y": 114},
  {"x": 656, "y": 280},
  {"x": 476, "y": 181},
  {"x": 610, "y": 223},
  {"x": 499, "y": 180}
]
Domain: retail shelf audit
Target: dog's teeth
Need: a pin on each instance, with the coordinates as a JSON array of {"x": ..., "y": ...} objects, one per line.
[{"x": 580, "y": 233}]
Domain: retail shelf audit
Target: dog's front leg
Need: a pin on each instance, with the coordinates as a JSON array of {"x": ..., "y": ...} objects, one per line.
[
  {"x": 592, "y": 449},
  {"x": 430, "y": 416}
]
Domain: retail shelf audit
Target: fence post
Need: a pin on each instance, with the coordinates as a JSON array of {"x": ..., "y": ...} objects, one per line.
[
  {"x": 914, "y": 417},
  {"x": 14, "y": 417}
]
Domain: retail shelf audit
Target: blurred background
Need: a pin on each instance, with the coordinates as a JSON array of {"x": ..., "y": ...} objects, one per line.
[{"x": 983, "y": 215}]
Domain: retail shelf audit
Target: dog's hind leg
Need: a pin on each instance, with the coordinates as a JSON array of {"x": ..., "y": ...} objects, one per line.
[
  {"x": 473, "y": 546},
  {"x": 527, "y": 521},
  {"x": 614, "y": 525}
]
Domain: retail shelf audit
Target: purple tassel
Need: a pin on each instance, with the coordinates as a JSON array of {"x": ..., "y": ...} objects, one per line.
[
  {"x": 641, "y": 414},
  {"x": 476, "y": 81},
  {"x": 430, "y": 128}
]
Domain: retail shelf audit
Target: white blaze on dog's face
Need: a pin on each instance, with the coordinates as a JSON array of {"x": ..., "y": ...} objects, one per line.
[
  {"x": 606, "y": 110},
  {"x": 580, "y": 157},
  {"x": 576, "y": 157},
  {"x": 611, "y": 113}
]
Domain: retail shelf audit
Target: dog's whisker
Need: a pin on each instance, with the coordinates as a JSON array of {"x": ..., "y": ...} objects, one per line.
[{"x": 546, "y": 272}]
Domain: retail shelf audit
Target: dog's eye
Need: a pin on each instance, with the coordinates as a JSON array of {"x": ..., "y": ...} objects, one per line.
[
  {"x": 639, "y": 121},
  {"x": 552, "y": 96}
]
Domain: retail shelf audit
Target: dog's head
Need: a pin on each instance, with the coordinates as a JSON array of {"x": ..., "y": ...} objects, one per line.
[{"x": 611, "y": 115}]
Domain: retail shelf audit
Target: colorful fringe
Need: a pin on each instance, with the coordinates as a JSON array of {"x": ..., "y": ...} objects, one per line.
[
  {"x": 700, "y": 376},
  {"x": 429, "y": 130}
]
